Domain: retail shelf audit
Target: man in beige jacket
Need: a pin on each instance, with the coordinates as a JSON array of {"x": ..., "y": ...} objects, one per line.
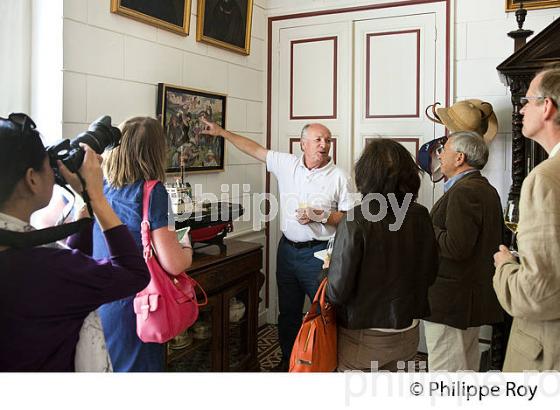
[{"x": 529, "y": 288}]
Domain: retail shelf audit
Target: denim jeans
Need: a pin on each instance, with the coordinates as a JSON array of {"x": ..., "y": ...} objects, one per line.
[{"x": 297, "y": 275}]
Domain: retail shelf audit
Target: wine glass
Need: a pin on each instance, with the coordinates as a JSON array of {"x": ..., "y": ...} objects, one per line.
[
  {"x": 330, "y": 245},
  {"x": 302, "y": 205},
  {"x": 327, "y": 260},
  {"x": 511, "y": 219}
]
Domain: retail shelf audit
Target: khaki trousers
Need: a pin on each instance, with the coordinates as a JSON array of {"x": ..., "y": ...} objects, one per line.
[
  {"x": 451, "y": 349},
  {"x": 370, "y": 350}
]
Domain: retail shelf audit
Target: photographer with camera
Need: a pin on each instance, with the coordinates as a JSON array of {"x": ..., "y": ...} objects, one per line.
[{"x": 47, "y": 292}]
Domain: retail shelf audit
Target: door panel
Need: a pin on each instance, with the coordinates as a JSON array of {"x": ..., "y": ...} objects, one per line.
[
  {"x": 394, "y": 69},
  {"x": 314, "y": 85}
]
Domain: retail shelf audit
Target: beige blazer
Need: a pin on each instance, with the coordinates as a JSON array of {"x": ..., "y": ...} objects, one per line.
[{"x": 530, "y": 290}]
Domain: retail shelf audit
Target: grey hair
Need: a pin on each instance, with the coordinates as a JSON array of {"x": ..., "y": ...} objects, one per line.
[
  {"x": 550, "y": 87},
  {"x": 306, "y": 126},
  {"x": 472, "y": 145},
  {"x": 304, "y": 130}
]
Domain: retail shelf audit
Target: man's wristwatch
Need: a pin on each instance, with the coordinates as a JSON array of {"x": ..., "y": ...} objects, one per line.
[{"x": 326, "y": 215}]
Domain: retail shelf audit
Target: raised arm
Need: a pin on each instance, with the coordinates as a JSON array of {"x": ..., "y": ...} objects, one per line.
[{"x": 244, "y": 144}]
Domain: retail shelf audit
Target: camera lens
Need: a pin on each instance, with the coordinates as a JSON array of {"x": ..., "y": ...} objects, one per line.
[{"x": 101, "y": 135}]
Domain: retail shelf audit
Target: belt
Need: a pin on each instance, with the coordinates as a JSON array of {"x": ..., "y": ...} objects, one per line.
[{"x": 308, "y": 244}]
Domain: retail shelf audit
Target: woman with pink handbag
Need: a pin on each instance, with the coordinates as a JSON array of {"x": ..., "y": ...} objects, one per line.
[{"x": 141, "y": 157}]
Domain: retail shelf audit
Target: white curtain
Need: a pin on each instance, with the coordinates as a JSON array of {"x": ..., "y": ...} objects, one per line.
[{"x": 15, "y": 56}]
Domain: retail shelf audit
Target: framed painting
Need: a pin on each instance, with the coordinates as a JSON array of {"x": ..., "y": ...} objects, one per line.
[
  {"x": 225, "y": 23},
  {"x": 512, "y": 5},
  {"x": 180, "y": 110},
  {"x": 172, "y": 15}
]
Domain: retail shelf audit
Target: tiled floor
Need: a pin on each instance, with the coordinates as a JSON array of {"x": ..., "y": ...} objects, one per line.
[{"x": 268, "y": 349}]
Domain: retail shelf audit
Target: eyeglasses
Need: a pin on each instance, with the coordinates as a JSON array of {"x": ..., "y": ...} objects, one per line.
[
  {"x": 525, "y": 100},
  {"x": 440, "y": 147}
]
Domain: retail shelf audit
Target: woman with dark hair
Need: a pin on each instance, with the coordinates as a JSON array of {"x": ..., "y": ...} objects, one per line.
[
  {"x": 140, "y": 157},
  {"x": 383, "y": 261},
  {"x": 47, "y": 291}
]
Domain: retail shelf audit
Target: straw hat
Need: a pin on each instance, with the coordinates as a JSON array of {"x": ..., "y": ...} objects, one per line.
[{"x": 467, "y": 115}]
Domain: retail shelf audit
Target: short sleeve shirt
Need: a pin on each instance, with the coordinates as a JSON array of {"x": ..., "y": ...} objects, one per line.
[
  {"x": 328, "y": 188},
  {"x": 127, "y": 204},
  {"x": 128, "y": 353}
]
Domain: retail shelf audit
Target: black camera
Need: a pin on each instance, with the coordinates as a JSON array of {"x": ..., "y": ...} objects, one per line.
[{"x": 99, "y": 136}]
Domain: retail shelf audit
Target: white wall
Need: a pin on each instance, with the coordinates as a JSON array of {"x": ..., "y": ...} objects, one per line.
[
  {"x": 482, "y": 43},
  {"x": 112, "y": 64},
  {"x": 46, "y": 62},
  {"x": 291, "y": 6},
  {"x": 15, "y": 46}
]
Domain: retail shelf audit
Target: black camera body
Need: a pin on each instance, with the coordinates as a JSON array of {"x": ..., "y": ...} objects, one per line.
[{"x": 101, "y": 135}]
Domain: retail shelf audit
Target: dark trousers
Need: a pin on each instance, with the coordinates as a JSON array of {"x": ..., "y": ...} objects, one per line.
[{"x": 297, "y": 275}]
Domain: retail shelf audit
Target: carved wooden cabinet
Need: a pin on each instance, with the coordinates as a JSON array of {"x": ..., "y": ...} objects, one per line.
[
  {"x": 516, "y": 72},
  {"x": 224, "y": 338}
]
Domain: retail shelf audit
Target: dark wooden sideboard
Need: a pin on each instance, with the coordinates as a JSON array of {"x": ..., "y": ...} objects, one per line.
[{"x": 224, "y": 338}]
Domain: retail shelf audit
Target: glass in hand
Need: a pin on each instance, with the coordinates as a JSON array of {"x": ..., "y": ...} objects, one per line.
[
  {"x": 511, "y": 219},
  {"x": 329, "y": 249}
]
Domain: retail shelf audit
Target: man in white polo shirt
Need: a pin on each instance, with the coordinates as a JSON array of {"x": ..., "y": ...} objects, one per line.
[{"x": 314, "y": 194}]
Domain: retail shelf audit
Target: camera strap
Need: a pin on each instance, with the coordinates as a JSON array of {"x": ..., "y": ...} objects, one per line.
[{"x": 39, "y": 237}]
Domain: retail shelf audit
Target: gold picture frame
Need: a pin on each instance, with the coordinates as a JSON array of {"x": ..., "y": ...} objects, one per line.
[
  {"x": 225, "y": 24},
  {"x": 171, "y": 15},
  {"x": 180, "y": 110},
  {"x": 512, "y": 5}
]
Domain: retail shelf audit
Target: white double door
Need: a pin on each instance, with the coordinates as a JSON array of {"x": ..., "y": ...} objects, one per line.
[{"x": 361, "y": 77}]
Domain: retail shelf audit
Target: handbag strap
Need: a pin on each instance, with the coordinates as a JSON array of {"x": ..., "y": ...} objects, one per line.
[
  {"x": 147, "y": 236},
  {"x": 203, "y": 292},
  {"x": 321, "y": 294},
  {"x": 145, "y": 225}
]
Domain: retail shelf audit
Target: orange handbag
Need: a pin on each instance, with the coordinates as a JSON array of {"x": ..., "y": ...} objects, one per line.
[{"x": 315, "y": 346}]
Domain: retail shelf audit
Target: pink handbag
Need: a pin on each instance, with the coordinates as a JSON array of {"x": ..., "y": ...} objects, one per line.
[{"x": 168, "y": 305}]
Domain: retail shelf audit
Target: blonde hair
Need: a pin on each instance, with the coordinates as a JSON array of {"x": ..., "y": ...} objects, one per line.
[{"x": 141, "y": 155}]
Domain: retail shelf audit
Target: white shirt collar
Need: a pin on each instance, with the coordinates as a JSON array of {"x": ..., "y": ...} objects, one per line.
[
  {"x": 301, "y": 163},
  {"x": 554, "y": 150},
  {"x": 11, "y": 223}
]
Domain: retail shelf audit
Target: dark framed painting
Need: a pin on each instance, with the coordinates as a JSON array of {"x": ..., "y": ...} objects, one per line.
[
  {"x": 225, "y": 23},
  {"x": 180, "y": 110},
  {"x": 172, "y": 15},
  {"x": 512, "y": 5}
]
